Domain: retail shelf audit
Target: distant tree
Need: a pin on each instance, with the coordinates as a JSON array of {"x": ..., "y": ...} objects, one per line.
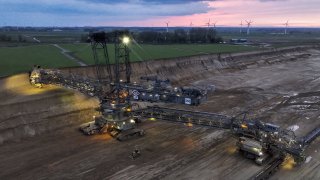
[
  {"x": 204, "y": 35},
  {"x": 194, "y": 35},
  {"x": 198, "y": 35},
  {"x": 180, "y": 36},
  {"x": 161, "y": 38},
  {"x": 149, "y": 37},
  {"x": 84, "y": 38},
  {"x": 5, "y": 38},
  {"x": 20, "y": 38},
  {"x": 211, "y": 35}
]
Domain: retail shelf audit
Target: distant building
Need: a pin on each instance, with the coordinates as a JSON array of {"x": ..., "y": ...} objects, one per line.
[
  {"x": 56, "y": 30},
  {"x": 238, "y": 41}
]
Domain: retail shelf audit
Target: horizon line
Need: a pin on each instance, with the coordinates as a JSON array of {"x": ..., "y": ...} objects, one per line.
[{"x": 221, "y": 26}]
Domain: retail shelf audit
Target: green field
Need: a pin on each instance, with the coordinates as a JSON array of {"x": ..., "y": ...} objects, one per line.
[
  {"x": 21, "y": 59},
  {"x": 20, "y": 55},
  {"x": 149, "y": 52},
  {"x": 46, "y": 37}
]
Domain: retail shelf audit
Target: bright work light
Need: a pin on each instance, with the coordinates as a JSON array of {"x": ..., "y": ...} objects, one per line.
[{"x": 126, "y": 40}]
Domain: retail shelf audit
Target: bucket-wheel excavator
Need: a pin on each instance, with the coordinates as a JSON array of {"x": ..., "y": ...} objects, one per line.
[{"x": 115, "y": 94}]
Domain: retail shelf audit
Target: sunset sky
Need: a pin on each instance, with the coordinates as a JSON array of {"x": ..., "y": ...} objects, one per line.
[{"x": 154, "y": 13}]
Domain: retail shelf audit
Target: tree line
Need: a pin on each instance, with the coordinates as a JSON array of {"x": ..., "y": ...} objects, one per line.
[
  {"x": 194, "y": 35},
  {"x": 178, "y": 36},
  {"x": 8, "y": 38}
]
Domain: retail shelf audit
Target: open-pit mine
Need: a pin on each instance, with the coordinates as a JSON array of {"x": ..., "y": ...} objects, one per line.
[{"x": 40, "y": 137}]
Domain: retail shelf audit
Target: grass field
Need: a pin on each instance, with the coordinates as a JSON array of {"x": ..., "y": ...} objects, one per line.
[
  {"x": 21, "y": 59},
  {"x": 46, "y": 37},
  {"x": 148, "y": 52},
  {"x": 16, "y": 57}
]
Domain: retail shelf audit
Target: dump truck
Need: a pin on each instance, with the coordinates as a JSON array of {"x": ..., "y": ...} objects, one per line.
[{"x": 252, "y": 149}]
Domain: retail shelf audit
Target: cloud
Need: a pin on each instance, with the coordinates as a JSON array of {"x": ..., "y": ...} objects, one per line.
[
  {"x": 272, "y": 0},
  {"x": 145, "y": 1},
  {"x": 155, "y": 12},
  {"x": 109, "y": 10}
]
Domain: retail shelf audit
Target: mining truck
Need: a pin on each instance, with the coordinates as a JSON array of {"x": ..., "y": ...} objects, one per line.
[
  {"x": 252, "y": 149},
  {"x": 98, "y": 125},
  {"x": 121, "y": 130}
]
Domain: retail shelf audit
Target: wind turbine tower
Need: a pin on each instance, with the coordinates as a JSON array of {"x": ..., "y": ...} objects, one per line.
[
  {"x": 208, "y": 23},
  {"x": 167, "y": 23},
  {"x": 248, "y": 26},
  {"x": 241, "y": 27},
  {"x": 214, "y": 24},
  {"x": 286, "y": 27}
]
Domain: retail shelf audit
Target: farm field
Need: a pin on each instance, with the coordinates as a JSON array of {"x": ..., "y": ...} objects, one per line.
[
  {"x": 148, "y": 52},
  {"x": 37, "y": 48},
  {"x": 46, "y": 37},
  {"x": 21, "y": 59}
]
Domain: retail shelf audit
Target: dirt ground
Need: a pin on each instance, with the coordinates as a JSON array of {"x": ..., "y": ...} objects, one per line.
[{"x": 39, "y": 137}]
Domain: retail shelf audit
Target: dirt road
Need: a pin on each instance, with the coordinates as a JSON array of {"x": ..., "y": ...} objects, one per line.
[{"x": 69, "y": 56}]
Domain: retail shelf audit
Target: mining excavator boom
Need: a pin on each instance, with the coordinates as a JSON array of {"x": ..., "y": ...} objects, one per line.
[{"x": 256, "y": 138}]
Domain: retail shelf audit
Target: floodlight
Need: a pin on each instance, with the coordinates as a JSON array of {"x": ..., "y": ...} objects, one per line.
[{"x": 126, "y": 40}]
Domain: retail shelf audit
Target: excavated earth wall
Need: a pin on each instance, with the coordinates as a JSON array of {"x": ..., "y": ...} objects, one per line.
[{"x": 183, "y": 70}]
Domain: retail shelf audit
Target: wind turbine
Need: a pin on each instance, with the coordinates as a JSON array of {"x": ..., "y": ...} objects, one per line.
[
  {"x": 214, "y": 24},
  {"x": 241, "y": 27},
  {"x": 208, "y": 23},
  {"x": 248, "y": 26},
  {"x": 286, "y": 27},
  {"x": 167, "y": 23},
  {"x": 191, "y": 24}
]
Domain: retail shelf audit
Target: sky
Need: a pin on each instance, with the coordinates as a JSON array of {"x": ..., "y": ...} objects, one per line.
[{"x": 155, "y": 13}]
